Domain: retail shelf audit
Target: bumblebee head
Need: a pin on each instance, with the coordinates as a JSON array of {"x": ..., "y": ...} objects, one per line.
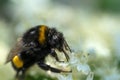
[
  {"x": 55, "y": 38},
  {"x": 57, "y": 41}
]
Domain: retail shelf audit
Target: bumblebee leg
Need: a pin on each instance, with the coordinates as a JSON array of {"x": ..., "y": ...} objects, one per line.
[
  {"x": 54, "y": 54},
  {"x": 17, "y": 75},
  {"x": 47, "y": 67},
  {"x": 20, "y": 75}
]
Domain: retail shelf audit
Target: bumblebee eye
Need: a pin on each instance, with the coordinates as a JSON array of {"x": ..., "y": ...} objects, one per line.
[{"x": 55, "y": 37}]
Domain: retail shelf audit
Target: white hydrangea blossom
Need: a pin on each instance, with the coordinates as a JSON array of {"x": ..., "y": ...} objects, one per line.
[
  {"x": 78, "y": 62},
  {"x": 65, "y": 77}
]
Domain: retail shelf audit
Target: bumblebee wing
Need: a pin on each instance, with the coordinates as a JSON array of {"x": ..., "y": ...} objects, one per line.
[{"x": 15, "y": 50}]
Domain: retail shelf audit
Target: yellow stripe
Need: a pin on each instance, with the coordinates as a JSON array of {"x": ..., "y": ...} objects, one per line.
[
  {"x": 17, "y": 62},
  {"x": 42, "y": 30}
]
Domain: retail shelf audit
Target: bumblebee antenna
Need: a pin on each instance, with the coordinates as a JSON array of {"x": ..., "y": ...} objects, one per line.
[
  {"x": 66, "y": 55},
  {"x": 67, "y": 46}
]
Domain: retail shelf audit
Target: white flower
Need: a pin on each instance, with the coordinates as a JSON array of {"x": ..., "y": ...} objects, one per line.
[{"x": 64, "y": 77}]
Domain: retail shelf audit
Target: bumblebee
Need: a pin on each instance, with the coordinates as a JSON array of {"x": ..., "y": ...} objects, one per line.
[{"x": 33, "y": 47}]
